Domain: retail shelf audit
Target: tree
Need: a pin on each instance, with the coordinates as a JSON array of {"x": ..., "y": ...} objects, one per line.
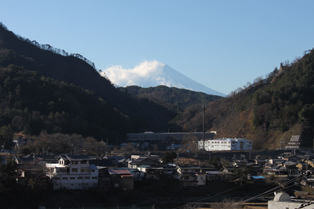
[
  {"x": 168, "y": 157},
  {"x": 6, "y": 136},
  {"x": 7, "y": 180},
  {"x": 215, "y": 162}
]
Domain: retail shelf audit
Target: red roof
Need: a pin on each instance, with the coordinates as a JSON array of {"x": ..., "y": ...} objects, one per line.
[{"x": 119, "y": 172}]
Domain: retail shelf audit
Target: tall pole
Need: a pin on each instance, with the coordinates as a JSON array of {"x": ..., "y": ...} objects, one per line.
[{"x": 204, "y": 108}]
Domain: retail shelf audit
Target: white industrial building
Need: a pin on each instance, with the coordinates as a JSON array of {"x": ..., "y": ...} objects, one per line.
[
  {"x": 225, "y": 144},
  {"x": 72, "y": 172}
]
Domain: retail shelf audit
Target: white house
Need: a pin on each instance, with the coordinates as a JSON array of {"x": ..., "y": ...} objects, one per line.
[
  {"x": 72, "y": 172},
  {"x": 225, "y": 144}
]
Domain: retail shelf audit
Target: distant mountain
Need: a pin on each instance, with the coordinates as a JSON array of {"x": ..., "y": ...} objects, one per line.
[
  {"x": 172, "y": 78},
  {"x": 152, "y": 74}
]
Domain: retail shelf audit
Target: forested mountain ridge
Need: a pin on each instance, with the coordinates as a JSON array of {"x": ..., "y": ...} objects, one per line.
[
  {"x": 31, "y": 103},
  {"x": 269, "y": 110},
  {"x": 75, "y": 69},
  {"x": 171, "y": 97}
]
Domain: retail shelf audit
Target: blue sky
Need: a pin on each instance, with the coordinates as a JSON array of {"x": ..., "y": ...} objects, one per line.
[{"x": 221, "y": 44}]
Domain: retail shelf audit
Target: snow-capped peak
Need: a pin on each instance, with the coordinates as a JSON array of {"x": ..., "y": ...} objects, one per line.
[{"x": 154, "y": 73}]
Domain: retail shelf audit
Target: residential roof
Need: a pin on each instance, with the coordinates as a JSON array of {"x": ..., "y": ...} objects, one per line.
[
  {"x": 103, "y": 162},
  {"x": 92, "y": 166},
  {"x": 119, "y": 172},
  {"x": 258, "y": 177},
  {"x": 218, "y": 173},
  {"x": 140, "y": 159},
  {"x": 148, "y": 166},
  {"x": 289, "y": 163},
  {"x": 74, "y": 157}
]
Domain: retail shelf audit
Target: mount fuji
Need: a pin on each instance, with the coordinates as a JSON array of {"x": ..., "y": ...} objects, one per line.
[{"x": 153, "y": 73}]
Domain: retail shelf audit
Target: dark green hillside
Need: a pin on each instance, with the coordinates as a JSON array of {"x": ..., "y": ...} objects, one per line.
[
  {"x": 77, "y": 70},
  {"x": 171, "y": 97},
  {"x": 271, "y": 109},
  {"x": 31, "y": 103}
]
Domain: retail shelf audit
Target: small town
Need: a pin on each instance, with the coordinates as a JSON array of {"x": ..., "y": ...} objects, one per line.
[{"x": 273, "y": 178}]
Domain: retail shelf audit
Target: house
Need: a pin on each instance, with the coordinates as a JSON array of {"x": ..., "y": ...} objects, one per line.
[
  {"x": 191, "y": 179},
  {"x": 188, "y": 169},
  {"x": 302, "y": 166},
  {"x": 291, "y": 167},
  {"x": 151, "y": 172},
  {"x": 170, "y": 168},
  {"x": 137, "y": 175},
  {"x": 103, "y": 177},
  {"x": 25, "y": 159},
  {"x": 219, "y": 175},
  {"x": 44, "y": 159},
  {"x": 276, "y": 161},
  {"x": 121, "y": 178},
  {"x": 31, "y": 175},
  {"x": 36, "y": 159},
  {"x": 190, "y": 176},
  {"x": 110, "y": 164},
  {"x": 72, "y": 172},
  {"x": 136, "y": 162},
  {"x": 292, "y": 157},
  {"x": 275, "y": 170}
]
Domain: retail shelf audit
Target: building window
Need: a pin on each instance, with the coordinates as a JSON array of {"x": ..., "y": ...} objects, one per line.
[
  {"x": 65, "y": 178},
  {"x": 74, "y": 163},
  {"x": 93, "y": 170},
  {"x": 79, "y": 177},
  {"x": 74, "y": 169},
  {"x": 241, "y": 145},
  {"x": 63, "y": 170},
  {"x": 94, "y": 177},
  {"x": 57, "y": 178},
  {"x": 86, "y": 177},
  {"x": 84, "y": 170},
  {"x": 72, "y": 177}
]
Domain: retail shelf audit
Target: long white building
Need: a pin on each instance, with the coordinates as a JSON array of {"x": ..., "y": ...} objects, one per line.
[
  {"x": 225, "y": 144},
  {"x": 72, "y": 172}
]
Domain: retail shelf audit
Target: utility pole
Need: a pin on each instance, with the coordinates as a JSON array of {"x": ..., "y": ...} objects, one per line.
[{"x": 204, "y": 108}]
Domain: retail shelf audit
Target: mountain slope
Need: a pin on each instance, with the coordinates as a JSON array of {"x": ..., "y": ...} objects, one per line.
[
  {"x": 77, "y": 70},
  {"x": 269, "y": 110},
  {"x": 31, "y": 103},
  {"x": 171, "y": 97}
]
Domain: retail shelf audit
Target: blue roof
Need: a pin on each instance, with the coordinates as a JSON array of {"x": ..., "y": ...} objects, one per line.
[{"x": 258, "y": 177}]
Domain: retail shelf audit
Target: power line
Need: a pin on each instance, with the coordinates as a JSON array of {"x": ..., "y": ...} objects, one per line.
[{"x": 252, "y": 198}]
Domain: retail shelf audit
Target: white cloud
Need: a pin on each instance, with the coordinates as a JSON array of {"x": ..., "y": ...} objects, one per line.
[{"x": 145, "y": 74}]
